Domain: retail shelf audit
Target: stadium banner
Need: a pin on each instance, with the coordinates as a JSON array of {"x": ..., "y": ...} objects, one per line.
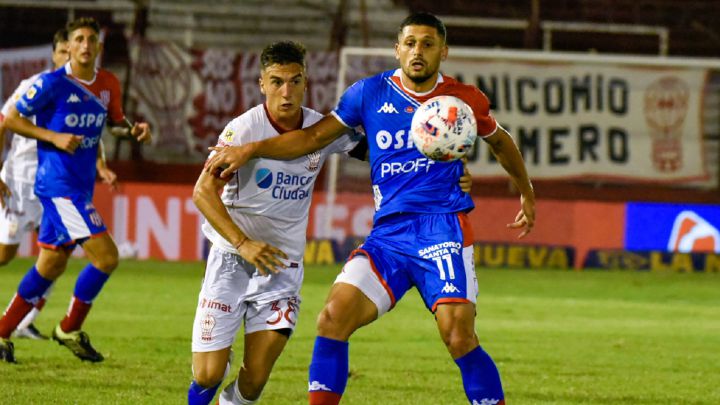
[
  {"x": 652, "y": 260},
  {"x": 673, "y": 227},
  {"x": 160, "y": 221},
  {"x": 20, "y": 63},
  {"x": 602, "y": 121}
]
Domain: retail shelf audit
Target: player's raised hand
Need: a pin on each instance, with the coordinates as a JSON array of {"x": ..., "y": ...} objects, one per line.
[
  {"x": 525, "y": 218},
  {"x": 141, "y": 132},
  {"x": 228, "y": 159},
  {"x": 266, "y": 258},
  {"x": 67, "y": 142},
  {"x": 4, "y": 193}
]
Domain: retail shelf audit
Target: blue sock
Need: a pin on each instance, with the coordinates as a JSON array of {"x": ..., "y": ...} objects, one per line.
[
  {"x": 480, "y": 377},
  {"x": 329, "y": 365},
  {"x": 33, "y": 286},
  {"x": 199, "y": 395},
  {"x": 89, "y": 283}
]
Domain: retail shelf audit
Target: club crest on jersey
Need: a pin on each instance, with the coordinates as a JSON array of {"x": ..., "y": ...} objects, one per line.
[
  {"x": 313, "y": 161},
  {"x": 105, "y": 97}
]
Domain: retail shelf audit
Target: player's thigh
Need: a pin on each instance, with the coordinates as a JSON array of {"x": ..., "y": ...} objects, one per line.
[
  {"x": 261, "y": 350},
  {"x": 51, "y": 263},
  {"x": 221, "y": 307},
  {"x": 209, "y": 367},
  {"x": 7, "y": 253},
  {"x": 102, "y": 252}
]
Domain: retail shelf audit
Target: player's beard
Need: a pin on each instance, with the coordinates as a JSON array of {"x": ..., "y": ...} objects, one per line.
[{"x": 420, "y": 77}]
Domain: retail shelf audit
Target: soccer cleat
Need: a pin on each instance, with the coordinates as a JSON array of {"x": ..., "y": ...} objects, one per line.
[
  {"x": 79, "y": 343},
  {"x": 31, "y": 332},
  {"x": 7, "y": 351}
]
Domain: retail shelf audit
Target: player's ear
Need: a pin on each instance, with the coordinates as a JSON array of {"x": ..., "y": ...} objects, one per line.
[
  {"x": 397, "y": 51},
  {"x": 444, "y": 52},
  {"x": 261, "y": 84}
]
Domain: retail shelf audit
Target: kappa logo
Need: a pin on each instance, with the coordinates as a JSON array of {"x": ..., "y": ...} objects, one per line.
[
  {"x": 73, "y": 98},
  {"x": 449, "y": 288},
  {"x": 388, "y": 108},
  {"x": 692, "y": 233},
  {"x": 316, "y": 386},
  {"x": 486, "y": 401}
]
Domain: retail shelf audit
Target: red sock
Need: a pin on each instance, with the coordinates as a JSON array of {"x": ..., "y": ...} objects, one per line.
[
  {"x": 39, "y": 306},
  {"x": 324, "y": 398},
  {"x": 75, "y": 316},
  {"x": 15, "y": 313}
]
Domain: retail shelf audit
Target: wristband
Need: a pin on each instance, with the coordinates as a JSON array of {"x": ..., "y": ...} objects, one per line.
[{"x": 245, "y": 239}]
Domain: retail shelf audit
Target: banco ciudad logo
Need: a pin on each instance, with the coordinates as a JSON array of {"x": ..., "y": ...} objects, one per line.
[{"x": 263, "y": 178}]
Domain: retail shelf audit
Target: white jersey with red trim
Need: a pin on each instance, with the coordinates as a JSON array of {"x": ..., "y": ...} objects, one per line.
[
  {"x": 21, "y": 162},
  {"x": 270, "y": 199}
]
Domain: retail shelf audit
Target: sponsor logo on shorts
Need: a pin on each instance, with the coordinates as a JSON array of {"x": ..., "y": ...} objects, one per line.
[
  {"x": 217, "y": 305},
  {"x": 449, "y": 288}
]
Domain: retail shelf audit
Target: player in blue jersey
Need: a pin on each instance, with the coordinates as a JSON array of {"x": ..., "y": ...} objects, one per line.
[
  {"x": 20, "y": 210},
  {"x": 420, "y": 235},
  {"x": 71, "y": 106}
]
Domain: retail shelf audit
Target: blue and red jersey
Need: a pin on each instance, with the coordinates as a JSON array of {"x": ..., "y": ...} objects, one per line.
[
  {"x": 65, "y": 104},
  {"x": 404, "y": 180}
]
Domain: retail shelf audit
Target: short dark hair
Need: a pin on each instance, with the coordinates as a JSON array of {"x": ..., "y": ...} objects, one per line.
[
  {"x": 283, "y": 53},
  {"x": 61, "y": 35},
  {"x": 426, "y": 19},
  {"x": 83, "y": 22}
]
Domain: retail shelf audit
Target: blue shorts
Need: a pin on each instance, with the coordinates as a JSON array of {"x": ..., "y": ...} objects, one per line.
[
  {"x": 432, "y": 252},
  {"x": 67, "y": 221}
]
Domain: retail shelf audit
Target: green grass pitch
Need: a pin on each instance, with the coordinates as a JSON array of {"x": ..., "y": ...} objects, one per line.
[{"x": 559, "y": 337}]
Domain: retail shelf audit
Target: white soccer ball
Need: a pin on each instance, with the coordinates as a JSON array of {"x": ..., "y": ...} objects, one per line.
[{"x": 443, "y": 128}]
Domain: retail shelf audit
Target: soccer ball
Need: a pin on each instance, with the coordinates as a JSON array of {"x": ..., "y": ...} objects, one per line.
[{"x": 443, "y": 128}]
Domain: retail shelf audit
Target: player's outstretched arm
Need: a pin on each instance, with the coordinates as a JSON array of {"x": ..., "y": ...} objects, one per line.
[
  {"x": 20, "y": 125},
  {"x": 265, "y": 257},
  {"x": 507, "y": 153},
  {"x": 287, "y": 146}
]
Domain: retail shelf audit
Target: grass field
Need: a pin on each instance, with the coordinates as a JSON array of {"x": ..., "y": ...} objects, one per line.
[{"x": 558, "y": 338}]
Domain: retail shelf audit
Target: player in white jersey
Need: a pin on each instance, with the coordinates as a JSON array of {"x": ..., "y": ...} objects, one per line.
[
  {"x": 21, "y": 210},
  {"x": 257, "y": 229},
  {"x": 421, "y": 237}
]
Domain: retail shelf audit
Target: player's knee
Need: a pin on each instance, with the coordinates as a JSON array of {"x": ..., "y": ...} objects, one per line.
[
  {"x": 4, "y": 260},
  {"x": 459, "y": 341},
  {"x": 107, "y": 263},
  {"x": 206, "y": 377},
  {"x": 332, "y": 325},
  {"x": 6, "y": 255},
  {"x": 252, "y": 384}
]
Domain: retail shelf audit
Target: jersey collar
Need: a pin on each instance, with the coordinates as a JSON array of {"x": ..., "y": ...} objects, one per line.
[
  {"x": 398, "y": 74},
  {"x": 68, "y": 71},
  {"x": 279, "y": 128}
]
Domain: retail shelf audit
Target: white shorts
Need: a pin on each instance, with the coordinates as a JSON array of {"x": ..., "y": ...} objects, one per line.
[
  {"x": 21, "y": 214},
  {"x": 233, "y": 293}
]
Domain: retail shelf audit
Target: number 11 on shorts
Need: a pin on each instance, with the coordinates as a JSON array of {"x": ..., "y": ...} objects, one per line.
[{"x": 451, "y": 270}]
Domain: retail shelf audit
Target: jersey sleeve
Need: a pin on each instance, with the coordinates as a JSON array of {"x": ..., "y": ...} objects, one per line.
[
  {"x": 486, "y": 124},
  {"x": 19, "y": 91},
  {"x": 346, "y": 142},
  {"x": 115, "y": 111},
  {"x": 349, "y": 109},
  {"x": 36, "y": 97}
]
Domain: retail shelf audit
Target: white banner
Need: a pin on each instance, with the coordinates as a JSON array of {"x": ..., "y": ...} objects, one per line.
[
  {"x": 604, "y": 121},
  {"x": 20, "y": 63}
]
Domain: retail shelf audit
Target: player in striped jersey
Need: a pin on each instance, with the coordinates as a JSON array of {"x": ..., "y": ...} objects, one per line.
[
  {"x": 420, "y": 237},
  {"x": 71, "y": 106}
]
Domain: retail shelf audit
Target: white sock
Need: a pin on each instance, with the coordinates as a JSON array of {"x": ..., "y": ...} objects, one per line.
[
  {"x": 29, "y": 319},
  {"x": 231, "y": 396}
]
